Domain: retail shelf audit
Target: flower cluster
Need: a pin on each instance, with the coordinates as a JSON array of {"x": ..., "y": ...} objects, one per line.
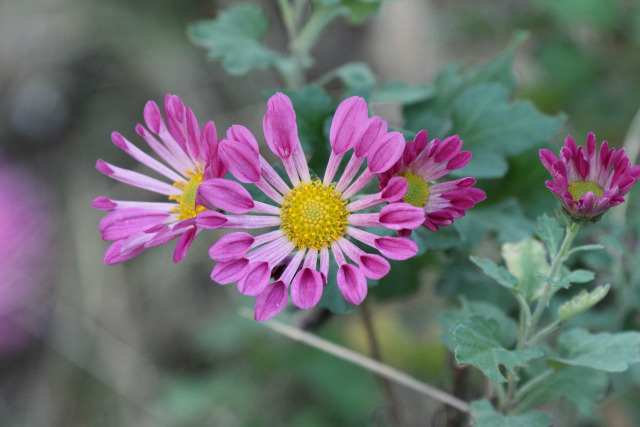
[
  {"x": 588, "y": 184},
  {"x": 306, "y": 220}
]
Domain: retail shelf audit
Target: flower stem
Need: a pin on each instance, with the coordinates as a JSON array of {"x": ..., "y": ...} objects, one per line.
[
  {"x": 374, "y": 348},
  {"x": 367, "y": 363}
]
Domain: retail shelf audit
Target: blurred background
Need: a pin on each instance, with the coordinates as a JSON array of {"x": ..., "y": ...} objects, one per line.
[{"x": 150, "y": 343}]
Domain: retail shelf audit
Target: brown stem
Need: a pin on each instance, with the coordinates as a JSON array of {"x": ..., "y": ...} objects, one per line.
[{"x": 385, "y": 385}]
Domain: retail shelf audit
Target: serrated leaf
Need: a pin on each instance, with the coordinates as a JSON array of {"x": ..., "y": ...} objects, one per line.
[
  {"x": 603, "y": 351},
  {"x": 582, "y": 302},
  {"x": 478, "y": 343},
  {"x": 549, "y": 232},
  {"x": 524, "y": 259},
  {"x": 496, "y": 272},
  {"x": 235, "y": 38},
  {"x": 582, "y": 386},
  {"x": 451, "y": 318},
  {"x": 494, "y": 129},
  {"x": 483, "y": 415},
  {"x": 401, "y": 93}
]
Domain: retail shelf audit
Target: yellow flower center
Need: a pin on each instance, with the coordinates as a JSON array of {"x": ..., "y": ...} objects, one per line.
[
  {"x": 314, "y": 215},
  {"x": 418, "y": 191},
  {"x": 187, "y": 200},
  {"x": 578, "y": 189}
]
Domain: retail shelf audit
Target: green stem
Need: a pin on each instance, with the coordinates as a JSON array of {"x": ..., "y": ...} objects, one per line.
[
  {"x": 556, "y": 265},
  {"x": 526, "y": 388}
]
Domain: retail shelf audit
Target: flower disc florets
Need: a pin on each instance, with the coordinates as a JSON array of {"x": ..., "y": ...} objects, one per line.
[
  {"x": 314, "y": 215},
  {"x": 587, "y": 183}
]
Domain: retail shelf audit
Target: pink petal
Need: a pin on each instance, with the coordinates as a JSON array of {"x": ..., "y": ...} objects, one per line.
[
  {"x": 448, "y": 149},
  {"x": 460, "y": 160},
  {"x": 398, "y": 216},
  {"x": 103, "y": 203},
  {"x": 122, "y": 223},
  {"x": 387, "y": 153},
  {"x": 183, "y": 244},
  {"x": 279, "y": 124},
  {"x": 352, "y": 283},
  {"x": 230, "y": 247},
  {"x": 224, "y": 194},
  {"x": 271, "y": 301},
  {"x": 229, "y": 271},
  {"x": 397, "y": 248},
  {"x": 210, "y": 219},
  {"x": 255, "y": 279},
  {"x": 373, "y": 129},
  {"x": 241, "y": 159},
  {"x": 374, "y": 266},
  {"x": 350, "y": 115},
  {"x": 152, "y": 117},
  {"x": 244, "y": 135},
  {"x": 306, "y": 288},
  {"x": 113, "y": 255},
  {"x": 395, "y": 189}
]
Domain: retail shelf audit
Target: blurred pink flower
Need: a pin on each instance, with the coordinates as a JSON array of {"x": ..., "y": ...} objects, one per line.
[
  {"x": 421, "y": 165},
  {"x": 191, "y": 154},
  {"x": 589, "y": 184},
  {"x": 25, "y": 239},
  {"x": 313, "y": 219}
]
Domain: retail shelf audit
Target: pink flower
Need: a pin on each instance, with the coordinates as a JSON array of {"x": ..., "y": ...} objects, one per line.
[
  {"x": 586, "y": 184},
  {"x": 310, "y": 219},
  {"x": 421, "y": 165},
  {"x": 191, "y": 156},
  {"x": 26, "y": 232}
]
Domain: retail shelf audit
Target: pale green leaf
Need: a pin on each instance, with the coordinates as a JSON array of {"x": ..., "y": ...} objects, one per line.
[
  {"x": 582, "y": 302},
  {"x": 401, "y": 93},
  {"x": 524, "y": 259},
  {"x": 483, "y": 415},
  {"x": 478, "y": 343},
  {"x": 604, "y": 351},
  {"x": 235, "y": 38}
]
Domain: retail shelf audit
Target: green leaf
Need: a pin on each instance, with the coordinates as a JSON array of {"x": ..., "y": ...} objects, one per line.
[
  {"x": 494, "y": 129},
  {"x": 549, "y": 232},
  {"x": 506, "y": 218},
  {"x": 603, "y": 351},
  {"x": 584, "y": 248},
  {"x": 478, "y": 343},
  {"x": 582, "y": 302},
  {"x": 403, "y": 279},
  {"x": 234, "y": 37},
  {"x": 450, "y": 319},
  {"x": 582, "y": 386},
  {"x": 483, "y": 415},
  {"x": 524, "y": 259},
  {"x": 357, "y": 78},
  {"x": 401, "y": 93},
  {"x": 577, "y": 276},
  {"x": 496, "y": 272}
]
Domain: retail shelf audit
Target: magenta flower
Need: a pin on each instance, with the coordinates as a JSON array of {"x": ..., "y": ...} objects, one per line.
[
  {"x": 26, "y": 232},
  {"x": 310, "y": 219},
  {"x": 191, "y": 154},
  {"x": 586, "y": 184},
  {"x": 421, "y": 165}
]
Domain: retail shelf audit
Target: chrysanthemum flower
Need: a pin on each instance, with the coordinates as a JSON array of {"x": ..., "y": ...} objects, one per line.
[
  {"x": 586, "y": 184},
  {"x": 191, "y": 156},
  {"x": 422, "y": 164},
  {"x": 310, "y": 219},
  {"x": 26, "y": 232}
]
